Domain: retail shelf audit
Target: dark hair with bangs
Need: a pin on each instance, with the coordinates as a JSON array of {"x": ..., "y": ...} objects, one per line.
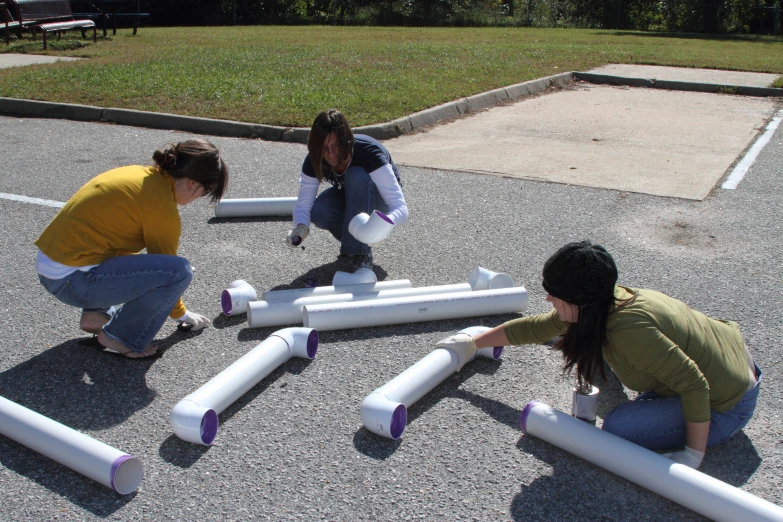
[
  {"x": 326, "y": 123},
  {"x": 198, "y": 160}
]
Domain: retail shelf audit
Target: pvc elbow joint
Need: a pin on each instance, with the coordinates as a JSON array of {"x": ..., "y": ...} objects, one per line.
[
  {"x": 491, "y": 352},
  {"x": 194, "y": 423},
  {"x": 235, "y": 298},
  {"x": 302, "y": 342},
  {"x": 371, "y": 229},
  {"x": 384, "y": 417}
]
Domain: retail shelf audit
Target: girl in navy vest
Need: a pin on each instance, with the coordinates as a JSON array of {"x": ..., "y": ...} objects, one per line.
[{"x": 362, "y": 176}]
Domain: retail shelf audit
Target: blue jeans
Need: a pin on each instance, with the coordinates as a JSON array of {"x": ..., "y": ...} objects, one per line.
[
  {"x": 656, "y": 422},
  {"x": 335, "y": 208},
  {"x": 147, "y": 285}
]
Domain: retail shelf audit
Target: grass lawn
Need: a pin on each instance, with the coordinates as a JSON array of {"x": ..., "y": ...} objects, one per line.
[{"x": 286, "y": 75}]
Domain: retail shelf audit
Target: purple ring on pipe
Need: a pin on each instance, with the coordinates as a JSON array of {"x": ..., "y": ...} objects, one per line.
[
  {"x": 398, "y": 421},
  {"x": 497, "y": 352},
  {"x": 525, "y": 412},
  {"x": 385, "y": 217},
  {"x": 296, "y": 240},
  {"x": 116, "y": 466},
  {"x": 312, "y": 344},
  {"x": 209, "y": 427},
  {"x": 225, "y": 302}
]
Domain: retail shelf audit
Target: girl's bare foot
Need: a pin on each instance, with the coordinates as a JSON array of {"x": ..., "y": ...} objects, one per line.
[{"x": 110, "y": 345}]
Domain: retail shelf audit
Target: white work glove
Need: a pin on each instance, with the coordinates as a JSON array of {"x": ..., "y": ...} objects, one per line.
[
  {"x": 193, "y": 322},
  {"x": 689, "y": 457},
  {"x": 461, "y": 344},
  {"x": 297, "y": 235}
]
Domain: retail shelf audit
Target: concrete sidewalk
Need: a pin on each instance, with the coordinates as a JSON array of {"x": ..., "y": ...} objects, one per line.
[
  {"x": 654, "y": 141},
  {"x": 19, "y": 60}
]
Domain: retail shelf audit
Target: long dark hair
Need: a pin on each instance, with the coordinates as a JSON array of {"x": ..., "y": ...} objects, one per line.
[
  {"x": 582, "y": 345},
  {"x": 198, "y": 160},
  {"x": 327, "y": 122}
]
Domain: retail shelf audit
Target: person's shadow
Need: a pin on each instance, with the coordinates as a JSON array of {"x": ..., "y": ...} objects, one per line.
[{"x": 82, "y": 388}]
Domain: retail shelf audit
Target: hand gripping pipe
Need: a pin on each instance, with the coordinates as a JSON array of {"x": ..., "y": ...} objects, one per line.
[
  {"x": 277, "y": 313},
  {"x": 235, "y": 298},
  {"x": 431, "y": 307},
  {"x": 93, "y": 459},
  {"x": 688, "y": 487},
  {"x": 371, "y": 229},
  {"x": 385, "y": 411},
  {"x": 195, "y": 418},
  {"x": 255, "y": 207},
  {"x": 296, "y": 293}
]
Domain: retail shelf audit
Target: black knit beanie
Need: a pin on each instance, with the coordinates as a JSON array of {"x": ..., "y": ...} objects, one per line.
[{"x": 580, "y": 273}]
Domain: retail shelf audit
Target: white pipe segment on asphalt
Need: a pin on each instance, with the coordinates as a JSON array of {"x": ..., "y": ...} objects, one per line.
[
  {"x": 93, "y": 459},
  {"x": 688, "y": 487},
  {"x": 255, "y": 207},
  {"x": 296, "y": 293},
  {"x": 277, "y": 313},
  {"x": 371, "y": 229},
  {"x": 361, "y": 276},
  {"x": 195, "y": 418},
  {"x": 385, "y": 411},
  {"x": 235, "y": 298},
  {"x": 431, "y": 307}
]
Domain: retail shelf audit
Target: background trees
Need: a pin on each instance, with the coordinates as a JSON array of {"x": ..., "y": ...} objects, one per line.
[{"x": 701, "y": 16}]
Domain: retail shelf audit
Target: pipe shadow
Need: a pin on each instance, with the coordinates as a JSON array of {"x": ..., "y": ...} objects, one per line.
[
  {"x": 184, "y": 454},
  {"x": 576, "y": 489},
  {"x": 61, "y": 480},
  {"x": 381, "y": 448}
]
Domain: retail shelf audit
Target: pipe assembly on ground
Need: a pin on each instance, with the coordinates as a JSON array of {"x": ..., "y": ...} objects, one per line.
[
  {"x": 255, "y": 207},
  {"x": 195, "y": 418},
  {"x": 431, "y": 307},
  {"x": 385, "y": 411},
  {"x": 93, "y": 459},
  {"x": 677, "y": 482},
  {"x": 371, "y": 229},
  {"x": 277, "y": 313}
]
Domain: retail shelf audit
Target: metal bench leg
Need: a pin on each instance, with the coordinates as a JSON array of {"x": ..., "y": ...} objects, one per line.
[
  {"x": 94, "y": 34},
  {"x": 44, "y": 39}
]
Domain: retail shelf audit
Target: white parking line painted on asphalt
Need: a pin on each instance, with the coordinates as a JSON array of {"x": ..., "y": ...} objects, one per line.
[
  {"x": 36, "y": 201},
  {"x": 743, "y": 166}
]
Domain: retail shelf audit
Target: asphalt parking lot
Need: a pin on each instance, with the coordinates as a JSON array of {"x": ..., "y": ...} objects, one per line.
[{"x": 294, "y": 447}]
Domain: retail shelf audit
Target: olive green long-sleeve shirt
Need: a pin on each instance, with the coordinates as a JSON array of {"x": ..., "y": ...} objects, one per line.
[{"x": 658, "y": 343}]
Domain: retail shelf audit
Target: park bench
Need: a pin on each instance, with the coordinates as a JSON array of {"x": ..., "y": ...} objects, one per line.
[
  {"x": 46, "y": 16},
  {"x": 106, "y": 10}
]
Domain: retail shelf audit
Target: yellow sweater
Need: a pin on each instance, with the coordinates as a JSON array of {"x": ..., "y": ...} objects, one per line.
[
  {"x": 119, "y": 212},
  {"x": 658, "y": 343}
]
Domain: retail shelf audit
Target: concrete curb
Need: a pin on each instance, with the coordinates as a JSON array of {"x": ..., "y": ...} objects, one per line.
[
  {"x": 674, "y": 85},
  {"x": 393, "y": 129}
]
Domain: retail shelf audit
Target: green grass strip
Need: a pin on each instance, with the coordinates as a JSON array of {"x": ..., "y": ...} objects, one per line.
[{"x": 286, "y": 75}]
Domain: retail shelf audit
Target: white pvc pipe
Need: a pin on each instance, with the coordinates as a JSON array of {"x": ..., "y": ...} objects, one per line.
[
  {"x": 195, "y": 418},
  {"x": 371, "y": 229},
  {"x": 296, "y": 293},
  {"x": 93, "y": 459},
  {"x": 235, "y": 298},
  {"x": 677, "y": 482},
  {"x": 277, "y": 313},
  {"x": 385, "y": 411},
  {"x": 483, "y": 279},
  {"x": 360, "y": 276},
  {"x": 254, "y": 207},
  {"x": 431, "y": 307}
]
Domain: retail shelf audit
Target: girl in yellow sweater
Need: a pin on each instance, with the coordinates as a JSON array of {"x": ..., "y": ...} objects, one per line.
[{"x": 85, "y": 255}]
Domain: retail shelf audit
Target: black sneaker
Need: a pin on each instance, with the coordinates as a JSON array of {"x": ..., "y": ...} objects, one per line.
[{"x": 361, "y": 261}]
